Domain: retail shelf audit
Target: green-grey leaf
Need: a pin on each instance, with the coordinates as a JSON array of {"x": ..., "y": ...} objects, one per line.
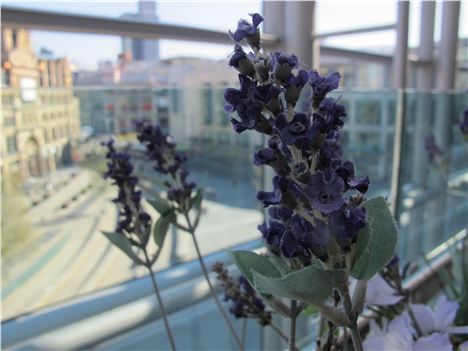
[
  {"x": 161, "y": 205},
  {"x": 304, "y": 102},
  {"x": 246, "y": 261},
  {"x": 123, "y": 244},
  {"x": 377, "y": 242},
  {"x": 280, "y": 263},
  {"x": 309, "y": 311},
  {"x": 311, "y": 284},
  {"x": 162, "y": 226}
]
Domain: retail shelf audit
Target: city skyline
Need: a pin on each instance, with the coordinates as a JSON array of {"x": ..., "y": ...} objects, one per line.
[{"x": 221, "y": 17}]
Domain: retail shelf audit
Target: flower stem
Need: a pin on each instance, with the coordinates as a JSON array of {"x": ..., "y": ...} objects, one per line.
[
  {"x": 415, "y": 321},
  {"x": 354, "y": 329},
  {"x": 161, "y": 305},
  {"x": 207, "y": 278},
  {"x": 292, "y": 330},
  {"x": 279, "y": 332},
  {"x": 244, "y": 330}
]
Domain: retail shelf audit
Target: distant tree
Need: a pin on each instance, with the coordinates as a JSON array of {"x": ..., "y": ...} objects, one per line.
[{"x": 15, "y": 224}]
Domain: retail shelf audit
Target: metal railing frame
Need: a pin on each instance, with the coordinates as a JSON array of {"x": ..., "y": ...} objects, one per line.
[{"x": 88, "y": 309}]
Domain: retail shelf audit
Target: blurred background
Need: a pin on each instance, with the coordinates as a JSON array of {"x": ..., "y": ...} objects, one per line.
[{"x": 75, "y": 73}]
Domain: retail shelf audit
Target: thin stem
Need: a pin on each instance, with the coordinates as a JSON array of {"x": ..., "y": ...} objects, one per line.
[
  {"x": 161, "y": 305},
  {"x": 292, "y": 330},
  {"x": 279, "y": 332},
  {"x": 415, "y": 322},
  {"x": 213, "y": 293},
  {"x": 244, "y": 328},
  {"x": 355, "y": 336},
  {"x": 345, "y": 338}
]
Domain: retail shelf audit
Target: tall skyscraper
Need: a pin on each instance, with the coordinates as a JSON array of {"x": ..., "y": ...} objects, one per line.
[{"x": 142, "y": 49}]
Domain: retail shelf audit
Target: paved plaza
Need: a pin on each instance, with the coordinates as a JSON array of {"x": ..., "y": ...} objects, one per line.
[{"x": 68, "y": 256}]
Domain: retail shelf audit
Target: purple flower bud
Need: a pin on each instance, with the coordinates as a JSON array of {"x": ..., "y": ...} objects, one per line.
[
  {"x": 241, "y": 62},
  {"x": 432, "y": 148},
  {"x": 248, "y": 30},
  {"x": 323, "y": 85},
  {"x": 464, "y": 123},
  {"x": 282, "y": 66}
]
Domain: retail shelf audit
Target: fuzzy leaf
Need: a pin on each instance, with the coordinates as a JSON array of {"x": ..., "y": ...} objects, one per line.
[
  {"x": 377, "y": 242},
  {"x": 247, "y": 261},
  {"x": 161, "y": 227},
  {"x": 311, "y": 285},
  {"x": 280, "y": 263},
  {"x": 161, "y": 205},
  {"x": 309, "y": 311},
  {"x": 123, "y": 244},
  {"x": 304, "y": 103}
]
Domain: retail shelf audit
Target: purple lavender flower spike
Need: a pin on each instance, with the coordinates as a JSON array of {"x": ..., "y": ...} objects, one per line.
[
  {"x": 161, "y": 148},
  {"x": 464, "y": 123},
  {"x": 433, "y": 150},
  {"x": 303, "y": 149},
  {"x": 120, "y": 169}
]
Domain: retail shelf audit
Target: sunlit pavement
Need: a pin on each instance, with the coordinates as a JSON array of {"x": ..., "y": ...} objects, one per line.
[{"x": 69, "y": 256}]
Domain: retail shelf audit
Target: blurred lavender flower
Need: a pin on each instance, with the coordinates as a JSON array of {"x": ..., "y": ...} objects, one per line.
[
  {"x": 161, "y": 148},
  {"x": 464, "y": 123},
  {"x": 432, "y": 149},
  {"x": 132, "y": 219},
  {"x": 244, "y": 300}
]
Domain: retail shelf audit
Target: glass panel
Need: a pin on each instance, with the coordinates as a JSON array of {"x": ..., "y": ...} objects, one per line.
[{"x": 433, "y": 193}]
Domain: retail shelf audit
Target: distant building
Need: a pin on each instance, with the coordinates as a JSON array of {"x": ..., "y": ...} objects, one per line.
[
  {"x": 40, "y": 121},
  {"x": 142, "y": 49},
  {"x": 113, "y": 109}
]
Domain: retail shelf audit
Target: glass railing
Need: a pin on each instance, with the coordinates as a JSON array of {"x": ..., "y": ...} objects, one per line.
[
  {"x": 434, "y": 194},
  {"x": 64, "y": 256}
]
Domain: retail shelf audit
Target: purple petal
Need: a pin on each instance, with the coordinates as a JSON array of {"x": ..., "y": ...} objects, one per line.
[
  {"x": 445, "y": 312},
  {"x": 380, "y": 293},
  {"x": 256, "y": 19},
  {"x": 425, "y": 317},
  {"x": 436, "y": 341}
]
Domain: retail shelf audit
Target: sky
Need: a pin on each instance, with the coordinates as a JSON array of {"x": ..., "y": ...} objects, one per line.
[{"x": 86, "y": 50}]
